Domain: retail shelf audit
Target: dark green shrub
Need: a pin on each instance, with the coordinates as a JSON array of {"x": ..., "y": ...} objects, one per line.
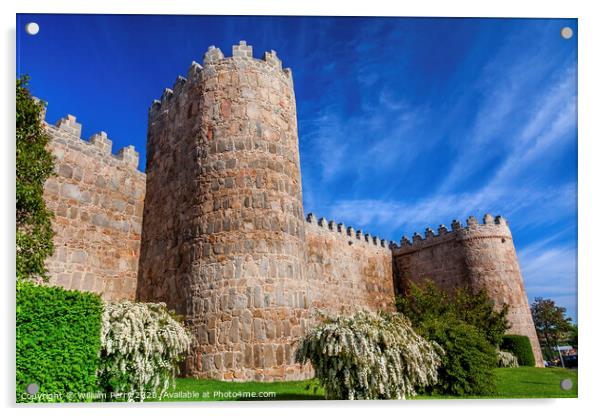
[
  {"x": 476, "y": 308},
  {"x": 469, "y": 360},
  {"x": 468, "y": 328},
  {"x": 520, "y": 346},
  {"x": 34, "y": 165},
  {"x": 58, "y": 342}
]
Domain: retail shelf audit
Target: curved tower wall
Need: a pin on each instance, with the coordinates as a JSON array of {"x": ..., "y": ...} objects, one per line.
[
  {"x": 481, "y": 256},
  {"x": 223, "y": 238}
]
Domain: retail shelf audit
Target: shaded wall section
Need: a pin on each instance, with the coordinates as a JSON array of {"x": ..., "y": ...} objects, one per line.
[{"x": 97, "y": 200}]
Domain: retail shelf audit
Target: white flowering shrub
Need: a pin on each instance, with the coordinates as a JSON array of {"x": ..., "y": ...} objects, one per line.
[
  {"x": 369, "y": 356},
  {"x": 506, "y": 359},
  {"x": 141, "y": 345}
]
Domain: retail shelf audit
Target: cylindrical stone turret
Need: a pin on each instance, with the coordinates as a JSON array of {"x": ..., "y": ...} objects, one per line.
[
  {"x": 478, "y": 256},
  {"x": 223, "y": 236},
  {"x": 492, "y": 265}
]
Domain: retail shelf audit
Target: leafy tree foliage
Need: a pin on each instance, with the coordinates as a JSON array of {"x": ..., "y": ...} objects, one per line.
[
  {"x": 34, "y": 165},
  {"x": 469, "y": 329},
  {"x": 423, "y": 303},
  {"x": 550, "y": 322},
  {"x": 573, "y": 335}
]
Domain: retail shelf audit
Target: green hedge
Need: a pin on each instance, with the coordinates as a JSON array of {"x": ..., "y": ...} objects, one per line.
[
  {"x": 58, "y": 343},
  {"x": 520, "y": 346}
]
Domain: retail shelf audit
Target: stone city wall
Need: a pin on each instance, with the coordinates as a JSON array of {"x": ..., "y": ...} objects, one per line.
[
  {"x": 216, "y": 227},
  {"x": 347, "y": 270},
  {"x": 480, "y": 256},
  {"x": 97, "y": 200}
]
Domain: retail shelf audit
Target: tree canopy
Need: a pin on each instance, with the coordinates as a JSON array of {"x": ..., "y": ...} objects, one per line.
[
  {"x": 427, "y": 301},
  {"x": 550, "y": 322},
  {"x": 34, "y": 164}
]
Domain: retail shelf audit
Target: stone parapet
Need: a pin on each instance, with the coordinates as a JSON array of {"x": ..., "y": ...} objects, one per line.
[
  {"x": 490, "y": 228},
  {"x": 97, "y": 199},
  {"x": 346, "y": 233},
  {"x": 67, "y": 131},
  {"x": 347, "y": 270},
  {"x": 242, "y": 57}
]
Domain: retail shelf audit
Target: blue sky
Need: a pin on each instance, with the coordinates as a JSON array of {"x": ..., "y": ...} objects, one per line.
[{"x": 404, "y": 123}]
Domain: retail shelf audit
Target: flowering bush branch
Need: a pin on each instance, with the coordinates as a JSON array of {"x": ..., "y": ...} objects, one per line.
[
  {"x": 369, "y": 356},
  {"x": 141, "y": 345},
  {"x": 506, "y": 359}
]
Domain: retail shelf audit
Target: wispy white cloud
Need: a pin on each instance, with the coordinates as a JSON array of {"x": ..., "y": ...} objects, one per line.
[
  {"x": 549, "y": 269},
  {"x": 553, "y": 122},
  {"x": 328, "y": 148},
  {"x": 347, "y": 133},
  {"x": 343, "y": 143},
  {"x": 507, "y": 124},
  {"x": 406, "y": 217},
  {"x": 512, "y": 119}
]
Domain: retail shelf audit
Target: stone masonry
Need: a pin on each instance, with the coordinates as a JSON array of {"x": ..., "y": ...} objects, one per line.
[
  {"x": 216, "y": 227},
  {"x": 347, "y": 269},
  {"x": 97, "y": 200}
]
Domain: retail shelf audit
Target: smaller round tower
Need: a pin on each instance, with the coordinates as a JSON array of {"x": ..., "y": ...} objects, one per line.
[
  {"x": 480, "y": 256},
  {"x": 492, "y": 265}
]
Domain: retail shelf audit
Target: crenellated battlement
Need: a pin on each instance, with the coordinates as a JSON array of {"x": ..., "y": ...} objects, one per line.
[
  {"x": 68, "y": 130},
  {"x": 347, "y": 233},
  {"x": 241, "y": 54},
  {"x": 489, "y": 227}
]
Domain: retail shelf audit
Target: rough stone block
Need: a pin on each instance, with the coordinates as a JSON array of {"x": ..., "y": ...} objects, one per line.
[
  {"x": 69, "y": 125},
  {"x": 102, "y": 142}
]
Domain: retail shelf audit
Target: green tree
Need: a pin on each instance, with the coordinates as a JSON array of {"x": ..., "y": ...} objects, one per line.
[
  {"x": 467, "y": 326},
  {"x": 34, "y": 164},
  {"x": 469, "y": 360},
  {"x": 425, "y": 302},
  {"x": 550, "y": 322},
  {"x": 572, "y": 336}
]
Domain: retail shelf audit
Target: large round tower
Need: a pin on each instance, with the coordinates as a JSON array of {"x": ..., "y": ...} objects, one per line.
[{"x": 223, "y": 233}]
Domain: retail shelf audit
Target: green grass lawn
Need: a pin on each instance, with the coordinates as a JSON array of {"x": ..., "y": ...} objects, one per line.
[
  {"x": 191, "y": 389},
  {"x": 524, "y": 382},
  {"x": 534, "y": 382}
]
